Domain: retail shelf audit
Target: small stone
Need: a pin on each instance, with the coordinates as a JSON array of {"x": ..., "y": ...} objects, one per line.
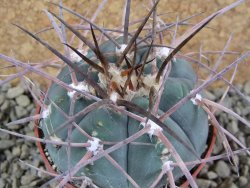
[
  {"x": 36, "y": 162},
  {"x": 24, "y": 151},
  {"x": 217, "y": 147},
  {"x": 16, "y": 151},
  {"x": 27, "y": 179},
  {"x": 4, "y": 166},
  {"x": 204, "y": 171},
  {"x": 239, "y": 86},
  {"x": 211, "y": 175},
  {"x": 4, "y": 175},
  {"x": 2, "y": 97},
  {"x": 223, "y": 119},
  {"x": 214, "y": 184},
  {"x": 15, "y": 183},
  {"x": 242, "y": 181},
  {"x": 20, "y": 111},
  {"x": 23, "y": 100},
  {"x": 222, "y": 169},
  {"x": 2, "y": 183},
  {"x": 14, "y": 127},
  {"x": 205, "y": 183},
  {"x": 232, "y": 127},
  {"x": 5, "y": 87},
  {"x": 4, "y": 136},
  {"x": 210, "y": 95},
  {"x": 5, "y": 105},
  {"x": 238, "y": 110},
  {"x": 8, "y": 155},
  {"x": 245, "y": 129},
  {"x": 5, "y": 144},
  {"x": 228, "y": 184},
  {"x": 245, "y": 111},
  {"x": 14, "y": 92},
  {"x": 245, "y": 170},
  {"x": 34, "y": 183},
  {"x": 31, "y": 125},
  {"x": 30, "y": 107},
  {"x": 218, "y": 92},
  {"x": 244, "y": 159},
  {"x": 247, "y": 88},
  {"x": 12, "y": 115},
  {"x": 241, "y": 138},
  {"x": 17, "y": 171},
  {"x": 248, "y": 141},
  {"x": 12, "y": 103},
  {"x": 227, "y": 102},
  {"x": 30, "y": 133}
]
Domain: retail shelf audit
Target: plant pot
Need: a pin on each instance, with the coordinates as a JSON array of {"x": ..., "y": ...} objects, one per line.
[{"x": 207, "y": 153}]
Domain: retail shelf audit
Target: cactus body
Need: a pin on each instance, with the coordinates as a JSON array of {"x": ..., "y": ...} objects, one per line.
[{"x": 142, "y": 161}]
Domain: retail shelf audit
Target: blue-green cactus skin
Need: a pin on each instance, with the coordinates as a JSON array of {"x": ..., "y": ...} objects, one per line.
[{"x": 142, "y": 161}]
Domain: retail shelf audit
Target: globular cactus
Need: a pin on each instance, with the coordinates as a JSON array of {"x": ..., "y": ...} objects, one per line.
[
  {"x": 126, "y": 112},
  {"x": 144, "y": 159}
]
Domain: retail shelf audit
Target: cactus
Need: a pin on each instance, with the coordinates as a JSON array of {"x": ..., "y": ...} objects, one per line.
[
  {"x": 126, "y": 112},
  {"x": 189, "y": 122}
]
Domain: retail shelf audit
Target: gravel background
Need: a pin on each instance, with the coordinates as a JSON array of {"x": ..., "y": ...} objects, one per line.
[{"x": 15, "y": 103}]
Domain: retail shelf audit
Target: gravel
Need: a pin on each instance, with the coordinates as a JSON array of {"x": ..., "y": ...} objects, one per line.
[
  {"x": 211, "y": 175},
  {"x": 14, "y": 92},
  {"x": 247, "y": 88},
  {"x": 23, "y": 100},
  {"x": 6, "y": 144},
  {"x": 222, "y": 169},
  {"x": 223, "y": 172},
  {"x": 2, "y": 97},
  {"x": 232, "y": 127},
  {"x": 15, "y": 103}
]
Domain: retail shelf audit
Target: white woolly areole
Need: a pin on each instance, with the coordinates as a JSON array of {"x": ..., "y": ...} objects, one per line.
[
  {"x": 116, "y": 76},
  {"x": 82, "y": 86},
  {"x": 46, "y": 112},
  {"x": 198, "y": 97},
  {"x": 95, "y": 145},
  {"x": 148, "y": 81},
  {"x": 153, "y": 127},
  {"x": 120, "y": 50},
  {"x": 162, "y": 52},
  {"x": 114, "y": 96},
  {"x": 167, "y": 166},
  {"x": 75, "y": 57}
]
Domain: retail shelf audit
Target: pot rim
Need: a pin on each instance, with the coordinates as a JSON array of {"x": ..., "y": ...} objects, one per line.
[
  {"x": 208, "y": 153},
  {"x": 37, "y": 132}
]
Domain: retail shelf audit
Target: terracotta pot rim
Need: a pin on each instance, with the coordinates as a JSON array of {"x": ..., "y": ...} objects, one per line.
[
  {"x": 208, "y": 152},
  {"x": 37, "y": 132}
]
